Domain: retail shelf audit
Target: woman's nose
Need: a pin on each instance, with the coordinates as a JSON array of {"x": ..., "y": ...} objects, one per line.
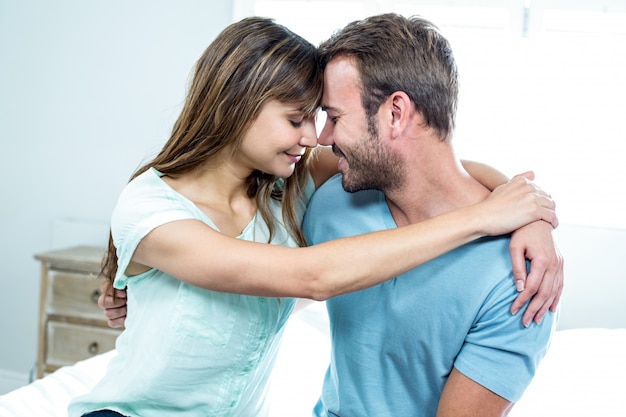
[{"x": 309, "y": 134}]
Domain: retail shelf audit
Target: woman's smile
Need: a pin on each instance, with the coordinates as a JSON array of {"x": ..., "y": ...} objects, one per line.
[{"x": 295, "y": 158}]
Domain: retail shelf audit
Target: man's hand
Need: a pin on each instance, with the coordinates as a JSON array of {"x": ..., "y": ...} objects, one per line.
[
  {"x": 114, "y": 307},
  {"x": 544, "y": 284}
]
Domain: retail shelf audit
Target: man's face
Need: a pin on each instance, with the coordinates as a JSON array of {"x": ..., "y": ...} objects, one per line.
[{"x": 364, "y": 161}]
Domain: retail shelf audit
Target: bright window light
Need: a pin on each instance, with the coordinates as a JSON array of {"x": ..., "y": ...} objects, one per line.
[{"x": 542, "y": 87}]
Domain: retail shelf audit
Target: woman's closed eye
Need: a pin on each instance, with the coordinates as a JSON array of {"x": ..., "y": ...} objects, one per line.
[{"x": 296, "y": 123}]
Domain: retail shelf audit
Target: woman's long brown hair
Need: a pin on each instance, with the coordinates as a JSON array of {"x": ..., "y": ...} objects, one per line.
[{"x": 249, "y": 63}]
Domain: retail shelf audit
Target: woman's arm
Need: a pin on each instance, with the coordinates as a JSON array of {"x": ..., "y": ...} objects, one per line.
[{"x": 193, "y": 252}]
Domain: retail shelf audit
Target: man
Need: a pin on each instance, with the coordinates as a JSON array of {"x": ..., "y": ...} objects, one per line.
[
  {"x": 440, "y": 340},
  {"x": 444, "y": 331}
]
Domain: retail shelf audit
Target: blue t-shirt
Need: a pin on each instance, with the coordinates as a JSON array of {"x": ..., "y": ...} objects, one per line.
[{"x": 394, "y": 344}]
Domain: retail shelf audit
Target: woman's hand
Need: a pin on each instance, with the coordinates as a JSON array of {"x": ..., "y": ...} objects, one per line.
[{"x": 516, "y": 204}]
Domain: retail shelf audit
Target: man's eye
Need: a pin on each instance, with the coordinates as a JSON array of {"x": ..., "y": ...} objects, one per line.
[{"x": 332, "y": 119}]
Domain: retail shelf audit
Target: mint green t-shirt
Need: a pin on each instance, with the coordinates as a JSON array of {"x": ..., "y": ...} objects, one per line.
[{"x": 187, "y": 351}]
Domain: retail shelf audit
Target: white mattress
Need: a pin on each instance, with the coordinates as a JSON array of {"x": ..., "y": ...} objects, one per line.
[{"x": 584, "y": 374}]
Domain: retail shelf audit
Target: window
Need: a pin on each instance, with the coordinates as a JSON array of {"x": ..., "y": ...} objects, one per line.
[{"x": 542, "y": 87}]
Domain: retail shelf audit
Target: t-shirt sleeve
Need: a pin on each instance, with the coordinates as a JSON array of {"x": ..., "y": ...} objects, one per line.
[
  {"x": 500, "y": 353},
  {"x": 142, "y": 207}
]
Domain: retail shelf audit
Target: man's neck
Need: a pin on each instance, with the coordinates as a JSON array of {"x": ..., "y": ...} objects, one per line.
[{"x": 435, "y": 187}]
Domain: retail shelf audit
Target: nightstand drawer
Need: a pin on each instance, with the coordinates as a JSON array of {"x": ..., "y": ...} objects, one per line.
[
  {"x": 72, "y": 326},
  {"x": 70, "y": 342},
  {"x": 74, "y": 294}
]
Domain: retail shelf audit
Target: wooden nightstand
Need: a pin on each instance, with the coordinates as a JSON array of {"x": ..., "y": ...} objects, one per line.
[{"x": 72, "y": 326}]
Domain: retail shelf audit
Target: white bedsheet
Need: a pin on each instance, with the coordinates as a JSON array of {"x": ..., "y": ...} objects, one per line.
[
  {"x": 584, "y": 374},
  {"x": 49, "y": 396}
]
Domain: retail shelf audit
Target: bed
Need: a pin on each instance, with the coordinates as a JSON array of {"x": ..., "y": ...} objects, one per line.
[{"x": 583, "y": 374}]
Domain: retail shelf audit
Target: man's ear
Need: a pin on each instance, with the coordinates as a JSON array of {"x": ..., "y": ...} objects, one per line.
[{"x": 401, "y": 108}]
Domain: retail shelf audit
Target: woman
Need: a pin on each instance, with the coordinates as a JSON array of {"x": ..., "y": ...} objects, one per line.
[{"x": 240, "y": 164}]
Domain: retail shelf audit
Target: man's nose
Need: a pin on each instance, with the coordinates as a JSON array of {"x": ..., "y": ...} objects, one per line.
[{"x": 326, "y": 135}]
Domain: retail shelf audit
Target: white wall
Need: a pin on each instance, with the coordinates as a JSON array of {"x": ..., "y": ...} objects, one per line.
[
  {"x": 88, "y": 89},
  {"x": 595, "y": 277}
]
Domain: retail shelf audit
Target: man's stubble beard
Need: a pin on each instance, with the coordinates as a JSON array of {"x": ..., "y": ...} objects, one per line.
[{"x": 372, "y": 166}]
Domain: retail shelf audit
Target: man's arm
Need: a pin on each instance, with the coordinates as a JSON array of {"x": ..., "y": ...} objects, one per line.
[
  {"x": 534, "y": 242},
  {"x": 462, "y": 397},
  {"x": 323, "y": 165},
  {"x": 485, "y": 174}
]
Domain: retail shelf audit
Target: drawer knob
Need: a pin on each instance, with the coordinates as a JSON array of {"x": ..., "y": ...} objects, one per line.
[
  {"x": 93, "y": 348},
  {"x": 95, "y": 295}
]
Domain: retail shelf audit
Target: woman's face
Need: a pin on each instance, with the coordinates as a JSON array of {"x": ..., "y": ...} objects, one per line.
[{"x": 277, "y": 139}]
